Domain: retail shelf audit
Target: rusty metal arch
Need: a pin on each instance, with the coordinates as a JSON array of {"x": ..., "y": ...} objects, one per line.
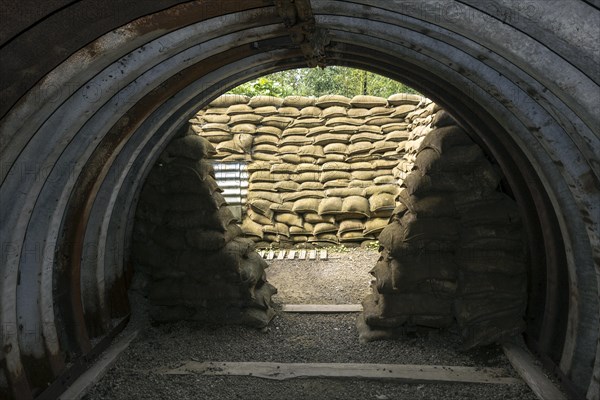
[{"x": 83, "y": 123}]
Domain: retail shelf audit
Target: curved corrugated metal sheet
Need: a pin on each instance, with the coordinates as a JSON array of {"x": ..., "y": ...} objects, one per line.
[{"x": 92, "y": 91}]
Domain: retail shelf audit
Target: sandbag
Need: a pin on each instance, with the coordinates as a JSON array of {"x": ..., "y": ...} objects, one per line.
[
  {"x": 226, "y": 100},
  {"x": 265, "y": 110},
  {"x": 314, "y": 194},
  {"x": 192, "y": 147},
  {"x": 334, "y": 175},
  {"x": 272, "y": 197},
  {"x": 264, "y": 138},
  {"x": 328, "y": 138},
  {"x": 374, "y": 226},
  {"x": 355, "y": 205},
  {"x": 286, "y": 186},
  {"x": 283, "y": 168},
  {"x": 338, "y": 121},
  {"x": 262, "y": 207},
  {"x": 429, "y": 205},
  {"x": 381, "y": 201},
  {"x": 310, "y": 112},
  {"x": 298, "y": 101},
  {"x": 287, "y": 111},
  {"x": 250, "y": 118},
  {"x": 351, "y": 225},
  {"x": 344, "y": 129},
  {"x": 324, "y": 227},
  {"x": 296, "y": 159},
  {"x": 359, "y": 148},
  {"x": 277, "y": 228},
  {"x": 373, "y": 190},
  {"x": 373, "y": 317},
  {"x": 414, "y": 304},
  {"x": 307, "y": 122},
  {"x": 404, "y": 98},
  {"x": 334, "y": 111},
  {"x": 209, "y": 240},
  {"x": 286, "y": 206},
  {"x": 312, "y": 151},
  {"x": 257, "y": 318},
  {"x": 480, "y": 284},
  {"x": 277, "y": 121},
  {"x": 306, "y": 205},
  {"x": 358, "y": 112},
  {"x": 486, "y": 261},
  {"x": 331, "y": 100},
  {"x": 364, "y": 101},
  {"x": 314, "y": 218},
  {"x": 262, "y": 101},
  {"x": 428, "y": 272},
  {"x": 442, "y": 139},
  {"x": 309, "y": 185},
  {"x": 477, "y": 181},
  {"x": 336, "y": 183},
  {"x": 353, "y": 236},
  {"x": 258, "y": 166},
  {"x": 386, "y": 180},
  {"x": 330, "y": 206},
  {"x": 266, "y": 148},
  {"x": 335, "y": 148},
  {"x": 296, "y": 140},
  {"x": 331, "y": 157},
  {"x": 343, "y": 192},
  {"x": 457, "y": 158},
  {"x": 258, "y": 218},
  {"x": 335, "y": 166},
  {"x": 307, "y": 177}
]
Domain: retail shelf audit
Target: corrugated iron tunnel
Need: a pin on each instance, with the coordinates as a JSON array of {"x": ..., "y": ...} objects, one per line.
[{"x": 92, "y": 93}]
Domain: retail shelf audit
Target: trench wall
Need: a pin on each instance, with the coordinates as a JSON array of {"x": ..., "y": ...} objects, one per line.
[{"x": 321, "y": 170}]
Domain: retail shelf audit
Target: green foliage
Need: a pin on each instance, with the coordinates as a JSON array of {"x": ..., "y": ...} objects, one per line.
[
  {"x": 265, "y": 86},
  {"x": 321, "y": 81}
]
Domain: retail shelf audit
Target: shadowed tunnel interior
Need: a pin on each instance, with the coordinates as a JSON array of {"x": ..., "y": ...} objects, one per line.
[{"x": 92, "y": 92}]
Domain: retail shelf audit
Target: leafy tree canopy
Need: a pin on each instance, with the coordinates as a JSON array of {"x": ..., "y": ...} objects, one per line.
[{"x": 318, "y": 82}]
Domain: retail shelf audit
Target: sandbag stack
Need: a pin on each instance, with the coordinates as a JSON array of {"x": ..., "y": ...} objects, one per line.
[
  {"x": 321, "y": 169},
  {"x": 188, "y": 246},
  {"x": 453, "y": 250}
]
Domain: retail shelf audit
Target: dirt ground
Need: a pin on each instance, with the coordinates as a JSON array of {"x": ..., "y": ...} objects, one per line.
[
  {"x": 342, "y": 279},
  {"x": 293, "y": 338}
]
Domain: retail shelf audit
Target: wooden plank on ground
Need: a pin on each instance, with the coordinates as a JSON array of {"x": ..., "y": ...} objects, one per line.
[
  {"x": 302, "y": 255},
  {"x": 323, "y": 254},
  {"x": 281, "y": 255},
  {"x": 89, "y": 378},
  {"x": 291, "y": 254},
  {"x": 535, "y": 378},
  {"x": 396, "y": 372},
  {"x": 312, "y": 255},
  {"x": 270, "y": 255},
  {"x": 322, "y": 308}
]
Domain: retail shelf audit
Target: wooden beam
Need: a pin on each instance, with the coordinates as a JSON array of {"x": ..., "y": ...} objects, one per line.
[
  {"x": 97, "y": 371},
  {"x": 322, "y": 308},
  {"x": 396, "y": 372},
  {"x": 323, "y": 254},
  {"x": 535, "y": 378}
]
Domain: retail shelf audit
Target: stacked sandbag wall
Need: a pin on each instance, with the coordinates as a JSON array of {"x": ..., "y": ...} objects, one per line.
[
  {"x": 321, "y": 170},
  {"x": 454, "y": 249},
  {"x": 187, "y": 247}
]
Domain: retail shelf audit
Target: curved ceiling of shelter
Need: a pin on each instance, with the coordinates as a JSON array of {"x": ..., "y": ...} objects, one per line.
[{"x": 92, "y": 92}]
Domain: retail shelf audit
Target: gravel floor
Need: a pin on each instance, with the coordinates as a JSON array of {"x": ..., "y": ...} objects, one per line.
[{"x": 296, "y": 338}]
